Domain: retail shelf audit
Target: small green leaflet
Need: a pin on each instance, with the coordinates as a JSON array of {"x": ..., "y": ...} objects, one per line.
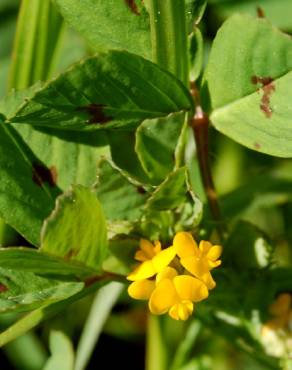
[
  {"x": 112, "y": 90},
  {"x": 76, "y": 230},
  {"x": 250, "y": 85}
]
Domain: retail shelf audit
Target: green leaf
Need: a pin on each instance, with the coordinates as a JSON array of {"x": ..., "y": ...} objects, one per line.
[
  {"x": 39, "y": 27},
  {"x": 195, "y": 10},
  {"x": 156, "y": 142},
  {"x": 250, "y": 85},
  {"x": 276, "y": 11},
  {"x": 121, "y": 260},
  {"x": 120, "y": 24},
  {"x": 31, "y": 260},
  {"x": 62, "y": 352},
  {"x": 35, "y": 317},
  {"x": 120, "y": 199},
  {"x": 21, "y": 291},
  {"x": 117, "y": 89},
  {"x": 171, "y": 193},
  {"x": 73, "y": 158},
  {"x": 196, "y": 53},
  {"x": 27, "y": 187},
  {"x": 76, "y": 229},
  {"x": 123, "y": 154}
]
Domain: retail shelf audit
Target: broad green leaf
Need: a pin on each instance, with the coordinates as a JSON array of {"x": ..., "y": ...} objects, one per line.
[
  {"x": 62, "y": 352},
  {"x": 120, "y": 199},
  {"x": 22, "y": 291},
  {"x": 76, "y": 229},
  {"x": 276, "y": 11},
  {"x": 32, "y": 260},
  {"x": 170, "y": 193},
  {"x": 250, "y": 85},
  {"x": 116, "y": 89},
  {"x": 39, "y": 27},
  {"x": 110, "y": 24},
  {"x": 100, "y": 311},
  {"x": 156, "y": 142},
  {"x": 247, "y": 247},
  {"x": 27, "y": 187}
]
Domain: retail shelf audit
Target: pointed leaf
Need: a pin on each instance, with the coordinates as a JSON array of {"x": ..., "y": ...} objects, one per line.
[
  {"x": 31, "y": 260},
  {"x": 117, "y": 89},
  {"x": 250, "y": 85},
  {"x": 21, "y": 291},
  {"x": 76, "y": 230}
]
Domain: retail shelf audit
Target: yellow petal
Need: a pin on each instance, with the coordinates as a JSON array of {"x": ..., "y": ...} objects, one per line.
[
  {"x": 157, "y": 247},
  {"x": 190, "y": 289},
  {"x": 195, "y": 266},
  {"x": 141, "y": 256},
  {"x": 205, "y": 246},
  {"x": 208, "y": 280},
  {"x": 143, "y": 271},
  {"x": 162, "y": 259},
  {"x": 167, "y": 273},
  {"x": 214, "y": 252},
  {"x": 181, "y": 311},
  {"x": 147, "y": 248},
  {"x": 282, "y": 305},
  {"x": 163, "y": 297},
  {"x": 141, "y": 289},
  {"x": 213, "y": 264},
  {"x": 185, "y": 245}
]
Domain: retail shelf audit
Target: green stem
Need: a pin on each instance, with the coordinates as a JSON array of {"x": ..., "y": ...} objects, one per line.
[
  {"x": 169, "y": 36},
  {"x": 38, "y": 32},
  {"x": 156, "y": 354}
]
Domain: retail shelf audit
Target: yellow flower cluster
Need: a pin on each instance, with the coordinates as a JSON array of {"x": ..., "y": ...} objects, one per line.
[{"x": 176, "y": 277}]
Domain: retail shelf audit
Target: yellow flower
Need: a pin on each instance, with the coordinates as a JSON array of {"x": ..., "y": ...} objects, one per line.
[
  {"x": 197, "y": 260},
  {"x": 170, "y": 293},
  {"x": 153, "y": 260}
]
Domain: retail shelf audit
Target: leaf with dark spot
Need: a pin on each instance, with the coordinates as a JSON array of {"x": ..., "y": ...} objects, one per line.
[
  {"x": 268, "y": 88},
  {"x": 42, "y": 174},
  {"x": 3, "y": 288},
  {"x": 96, "y": 113},
  {"x": 133, "y": 6},
  {"x": 141, "y": 190},
  {"x": 260, "y": 12}
]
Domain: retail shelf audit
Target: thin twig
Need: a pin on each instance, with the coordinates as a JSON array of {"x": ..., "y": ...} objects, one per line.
[{"x": 200, "y": 124}]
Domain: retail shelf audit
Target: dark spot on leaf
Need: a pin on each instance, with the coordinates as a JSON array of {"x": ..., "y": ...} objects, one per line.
[
  {"x": 260, "y": 12},
  {"x": 96, "y": 113},
  {"x": 257, "y": 146},
  {"x": 42, "y": 174},
  {"x": 3, "y": 288},
  {"x": 71, "y": 253},
  {"x": 268, "y": 88},
  {"x": 140, "y": 190},
  {"x": 133, "y": 6}
]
